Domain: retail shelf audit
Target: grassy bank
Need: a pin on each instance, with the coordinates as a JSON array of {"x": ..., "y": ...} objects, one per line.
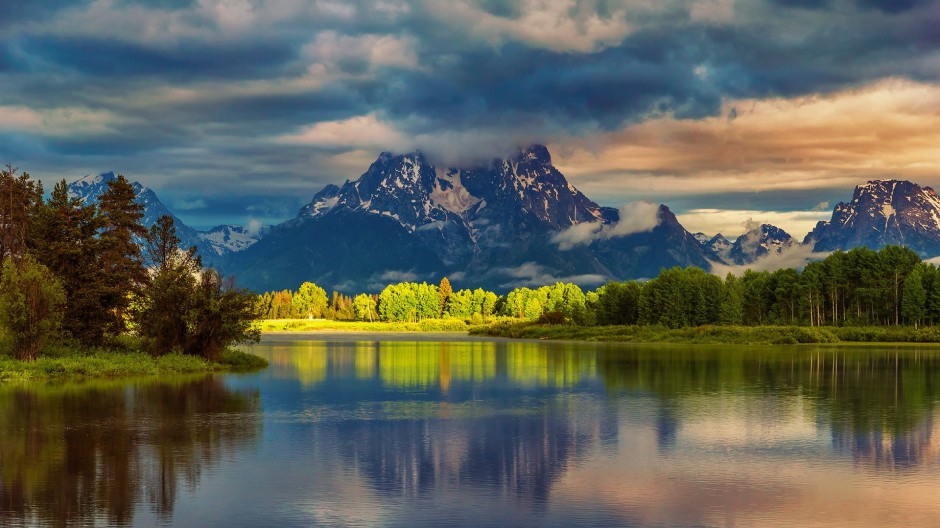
[
  {"x": 323, "y": 325},
  {"x": 745, "y": 335},
  {"x": 64, "y": 361}
]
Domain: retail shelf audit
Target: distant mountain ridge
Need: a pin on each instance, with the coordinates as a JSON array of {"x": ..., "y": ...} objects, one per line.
[
  {"x": 495, "y": 224},
  {"x": 213, "y": 244},
  {"x": 512, "y": 222}
]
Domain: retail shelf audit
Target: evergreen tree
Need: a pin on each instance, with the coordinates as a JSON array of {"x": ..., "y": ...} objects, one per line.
[
  {"x": 64, "y": 239},
  {"x": 19, "y": 198},
  {"x": 120, "y": 253}
]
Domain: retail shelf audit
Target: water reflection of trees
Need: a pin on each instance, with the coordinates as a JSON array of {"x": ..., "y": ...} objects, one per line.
[
  {"x": 425, "y": 365},
  {"x": 878, "y": 402},
  {"x": 78, "y": 454}
]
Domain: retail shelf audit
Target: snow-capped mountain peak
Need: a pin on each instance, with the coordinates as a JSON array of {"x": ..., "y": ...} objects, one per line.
[
  {"x": 883, "y": 212},
  {"x": 758, "y": 242}
]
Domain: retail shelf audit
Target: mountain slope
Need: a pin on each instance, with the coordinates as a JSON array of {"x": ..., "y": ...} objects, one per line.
[
  {"x": 493, "y": 225},
  {"x": 90, "y": 188},
  {"x": 883, "y": 212}
]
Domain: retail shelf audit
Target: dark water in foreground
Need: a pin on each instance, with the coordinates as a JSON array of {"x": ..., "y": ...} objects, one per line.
[{"x": 487, "y": 433}]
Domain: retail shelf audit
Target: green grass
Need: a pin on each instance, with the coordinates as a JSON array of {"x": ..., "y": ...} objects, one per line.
[
  {"x": 322, "y": 325},
  {"x": 745, "y": 335},
  {"x": 63, "y": 360}
]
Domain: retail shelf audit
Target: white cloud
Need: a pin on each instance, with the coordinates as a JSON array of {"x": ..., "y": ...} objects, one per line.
[
  {"x": 635, "y": 217},
  {"x": 190, "y": 205},
  {"x": 729, "y": 221},
  {"x": 531, "y": 275},
  {"x": 796, "y": 256},
  {"x": 254, "y": 226},
  {"x": 398, "y": 276}
]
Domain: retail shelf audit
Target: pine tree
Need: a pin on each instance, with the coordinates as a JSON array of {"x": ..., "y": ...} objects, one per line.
[
  {"x": 19, "y": 198},
  {"x": 120, "y": 254},
  {"x": 64, "y": 239}
]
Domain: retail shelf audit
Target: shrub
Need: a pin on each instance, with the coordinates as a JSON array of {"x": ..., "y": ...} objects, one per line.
[
  {"x": 555, "y": 317},
  {"x": 31, "y": 304}
]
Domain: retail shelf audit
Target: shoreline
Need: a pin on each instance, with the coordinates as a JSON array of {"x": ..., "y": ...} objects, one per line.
[
  {"x": 702, "y": 335},
  {"x": 123, "y": 364}
]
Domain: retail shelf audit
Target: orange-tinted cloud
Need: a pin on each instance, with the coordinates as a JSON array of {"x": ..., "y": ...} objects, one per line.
[{"x": 887, "y": 129}]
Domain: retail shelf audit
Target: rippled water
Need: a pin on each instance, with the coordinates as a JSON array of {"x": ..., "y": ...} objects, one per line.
[{"x": 399, "y": 433}]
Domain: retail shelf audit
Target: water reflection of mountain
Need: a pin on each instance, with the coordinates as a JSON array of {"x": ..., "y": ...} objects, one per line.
[
  {"x": 80, "y": 454},
  {"x": 521, "y": 454},
  {"x": 464, "y": 426}
]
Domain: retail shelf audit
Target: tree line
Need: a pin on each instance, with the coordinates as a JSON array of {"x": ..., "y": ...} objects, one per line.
[
  {"x": 89, "y": 272},
  {"x": 860, "y": 287}
]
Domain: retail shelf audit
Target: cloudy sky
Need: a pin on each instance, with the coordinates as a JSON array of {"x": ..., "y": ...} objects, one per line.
[{"x": 242, "y": 109}]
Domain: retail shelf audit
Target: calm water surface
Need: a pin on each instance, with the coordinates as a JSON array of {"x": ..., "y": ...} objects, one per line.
[{"x": 398, "y": 433}]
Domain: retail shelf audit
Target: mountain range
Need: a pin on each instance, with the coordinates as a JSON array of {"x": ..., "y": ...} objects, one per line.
[
  {"x": 214, "y": 244},
  {"x": 508, "y": 223}
]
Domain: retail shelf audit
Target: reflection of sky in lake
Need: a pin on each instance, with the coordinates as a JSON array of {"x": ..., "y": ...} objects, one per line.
[{"x": 479, "y": 434}]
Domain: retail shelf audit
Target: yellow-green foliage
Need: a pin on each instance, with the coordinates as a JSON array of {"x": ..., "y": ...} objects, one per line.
[{"x": 305, "y": 325}]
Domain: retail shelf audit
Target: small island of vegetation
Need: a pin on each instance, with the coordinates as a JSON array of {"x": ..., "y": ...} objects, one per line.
[{"x": 87, "y": 290}]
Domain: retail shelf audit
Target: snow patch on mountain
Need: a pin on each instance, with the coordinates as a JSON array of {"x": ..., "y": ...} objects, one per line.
[{"x": 233, "y": 238}]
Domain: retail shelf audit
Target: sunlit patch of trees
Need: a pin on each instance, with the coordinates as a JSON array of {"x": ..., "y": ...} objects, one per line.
[
  {"x": 78, "y": 271},
  {"x": 860, "y": 287}
]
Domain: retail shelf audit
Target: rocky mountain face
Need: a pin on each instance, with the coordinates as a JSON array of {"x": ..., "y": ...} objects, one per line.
[
  {"x": 718, "y": 244},
  {"x": 507, "y": 223},
  {"x": 757, "y": 243},
  {"x": 883, "y": 212}
]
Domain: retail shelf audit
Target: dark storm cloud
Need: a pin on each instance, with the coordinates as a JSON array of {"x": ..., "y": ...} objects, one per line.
[
  {"x": 209, "y": 89},
  {"x": 102, "y": 57}
]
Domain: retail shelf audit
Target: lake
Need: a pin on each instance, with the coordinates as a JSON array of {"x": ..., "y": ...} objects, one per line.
[{"x": 353, "y": 432}]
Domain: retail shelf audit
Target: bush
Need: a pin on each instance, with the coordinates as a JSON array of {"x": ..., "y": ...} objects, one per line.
[
  {"x": 31, "y": 306},
  {"x": 552, "y": 318}
]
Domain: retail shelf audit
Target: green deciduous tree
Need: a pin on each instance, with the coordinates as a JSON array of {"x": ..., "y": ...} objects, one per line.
[
  {"x": 914, "y": 297},
  {"x": 365, "y": 307},
  {"x": 31, "y": 303},
  {"x": 310, "y": 301}
]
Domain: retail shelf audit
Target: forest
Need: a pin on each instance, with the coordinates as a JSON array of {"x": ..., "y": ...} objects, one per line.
[
  {"x": 86, "y": 275},
  {"x": 860, "y": 287}
]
